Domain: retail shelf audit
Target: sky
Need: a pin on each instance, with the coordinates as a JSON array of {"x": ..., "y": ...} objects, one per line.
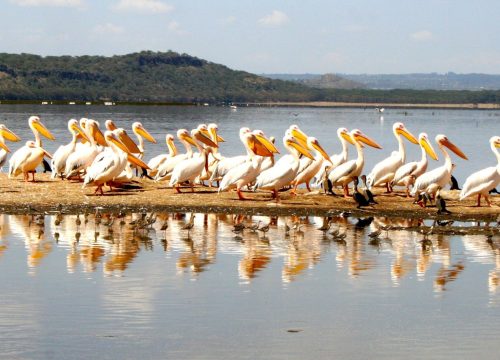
[{"x": 268, "y": 36}]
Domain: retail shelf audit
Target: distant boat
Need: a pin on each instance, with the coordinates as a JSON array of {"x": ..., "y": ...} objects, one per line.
[
  {"x": 234, "y": 107},
  {"x": 45, "y": 102},
  {"x": 206, "y": 104},
  {"x": 72, "y": 103},
  {"x": 109, "y": 103},
  {"x": 88, "y": 103}
]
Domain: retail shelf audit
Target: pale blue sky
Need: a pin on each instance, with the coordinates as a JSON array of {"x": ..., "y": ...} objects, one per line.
[{"x": 268, "y": 36}]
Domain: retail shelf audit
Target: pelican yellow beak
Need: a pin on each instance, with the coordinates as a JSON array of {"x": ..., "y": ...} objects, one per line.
[
  {"x": 9, "y": 135},
  {"x": 407, "y": 135},
  {"x": 171, "y": 144},
  {"x": 428, "y": 148},
  {"x": 3, "y": 146},
  {"x": 79, "y": 133},
  {"x": 97, "y": 134},
  {"x": 200, "y": 136},
  {"x": 322, "y": 151},
  {"x": 127, "y": 141},
  {"x": 267, "y": 143},
  {"x": 188, "y": 138},
  {"x": 454, "y": 148},
  {"x": 260, "y": 145},
  {"x": 110, "y": 125},
  {"x": 300, "y": 136},
  {"x": 130, "y": 157},
  {"x": 497, "y": 143},
  {"x": 347, "y": 137},
  {"x": 145, "y": 134},
  {"x": 368, "y": 141},
  {"x": 301, "y": 149},
  {"x": 214, "y": 135},
  {"x": 43, "y": 130}
]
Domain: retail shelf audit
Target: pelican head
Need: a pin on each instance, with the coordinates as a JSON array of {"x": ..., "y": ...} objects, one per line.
[
  {"x": 95, "y": 132},
  {"x": 75, "y": 129},
  {"x": 426, "y": 144},
  {"x": 291, "y": 142},
  {"x": 358, "y": 136},
  {"x": 298, "y": 134},
  {"x": 7, "y": 134},
  {"x": 214, "y": 132},
  {"x": 139, "y": 130},
  {"x": 313, "y": 143},
  {"x": 442, "y": 140},
  {"x": 110, "y": 125},
  {"x": 343, "y": 133},
  {"x": 202, "y": 137},
  {"x": 36, "y": 125},
  {"x": 112, "y": 138},
  {"x": 260, "y": 144},
  {"x": 495, "y": 141},
  {"x": 33, "y": 145},
  {"x": 400, "y": 129}
]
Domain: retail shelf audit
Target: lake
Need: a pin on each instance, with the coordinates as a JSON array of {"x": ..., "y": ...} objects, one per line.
[{"x": 114, "y": 291}]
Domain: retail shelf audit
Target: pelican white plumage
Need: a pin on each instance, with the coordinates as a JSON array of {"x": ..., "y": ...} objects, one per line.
[
  {"x": 384, "y": 171},
  {"x": 409, "y": 172},
  {"x": 27, "y": 158},
  {"x": 259, "y": 147},
  {"x": 335, "y": 159},
  {"x": 431, "y": 181},
  {"x": 314, "y": 166},
  {"x": 64, "y": 151},
  {"x": 482, "y": 181},
  {"x": 165, "y": 169},
  {"x": 155, "y": 162},
  {"x": 346, "y": 172},
  {"x": 5, "y": 133},
  {"x": 105, "y": 169},
  {"x": 83, "y": 158},
  {"x": 283, "y": 172},
  {"x": 190, "y": 169}
]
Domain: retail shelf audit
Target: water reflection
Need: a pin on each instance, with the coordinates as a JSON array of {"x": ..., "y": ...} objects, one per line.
[{"x": 111, "y": 243}]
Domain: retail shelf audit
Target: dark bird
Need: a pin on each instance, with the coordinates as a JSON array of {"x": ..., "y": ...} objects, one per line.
[
  {"x": 264, "y": 228},
  {"x": 494, "y": 191},
  {"x": 360, "y": 199},
  {"x": 441, "y": 204},
  {"x": 363, "y": 222},
  {"x": 368, "y": 194},
  {"x": 238, "y": 228},
  {"x": 254, "y": 227},
  {"x": 189, "y": 225},
  {"x": 444, "y": 222},
  {"x": 375, "y": 234},
  {"x": 454, "y": 184},
  {"x": 326, "y": 225},
  {"x": 46, "y": 166}
]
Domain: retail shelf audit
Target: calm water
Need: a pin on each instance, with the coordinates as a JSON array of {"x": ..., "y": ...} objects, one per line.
[
  {"x": 469, "y": 129},
  {"x": 74, "y": 291}
]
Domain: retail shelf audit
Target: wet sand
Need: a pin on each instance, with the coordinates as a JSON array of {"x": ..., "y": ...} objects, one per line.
[{"x": 51, "y": 195}]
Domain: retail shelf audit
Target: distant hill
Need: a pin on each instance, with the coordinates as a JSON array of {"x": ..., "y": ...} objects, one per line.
[
  {"x": 146, "y": 76},
  {"x": 326, "y": 81}
]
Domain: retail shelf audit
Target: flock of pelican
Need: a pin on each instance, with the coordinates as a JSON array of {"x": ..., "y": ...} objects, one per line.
[{"x": 110, "y": 158}]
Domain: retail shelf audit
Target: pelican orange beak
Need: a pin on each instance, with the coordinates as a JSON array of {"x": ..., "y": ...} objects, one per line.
[
  {"x": 346, "y": 136},
  {"x": 79, "y": 133},
  {"x": 260, "y": 145},
  {"x": 424, "y": 142},
  {"x": 213, "y": 132},
  {"x": 97, "y": 134},
  {"x": 298, "y": 146},
  {"x": 300, "y": 136},
  {"x": 9, "y": 135},
  {"x": 130, "y": 157},
  {"x": 322, "y": 151},
  {"x": 365, "y": 139},
  {"x": 110, "y": 125},
  {"x": 404, "y": 131},
  {"x": 145, "y": 134},
  {"x": 267, "y": 143},
  {"x": 188, "y": 138},
  {"x": 200, "y": 136},
  {"x": 3, "y": 146},
  {"x": 454, "y": 148},
  {"x": 127, "y": 141},
  {"x": 43, "y": 130},
  {"x": 497, "y": 143}
]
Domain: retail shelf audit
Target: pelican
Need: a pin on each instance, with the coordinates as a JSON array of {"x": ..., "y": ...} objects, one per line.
[
  {"x": 336, "y": 159},
  {"x": 28, "y": 157},
  {"x": 383, "y": 172},
  {"x": 482, "y": 181},
  {"x": 80, "y": 160},
  {"x": 408, "y": 173},
  {"x": 259, "y": 147},
  {"x": 312, "y": 169},
  {"x": 142, "y": 134},
  {"x": 214, "y": 156},
  {"x": 165, "y": 169},
  {"x": 62, "y": 153},
  {"x": 346, "y": 172},
  {"x": 105, "y": 168},
  {"x": 190, "y": 169},
  {"x": 431, "y": 181},
  {"x": 283, "y": 172},
  {"x": 156, "y": 161},
  {"x": 9, "y": 135}
]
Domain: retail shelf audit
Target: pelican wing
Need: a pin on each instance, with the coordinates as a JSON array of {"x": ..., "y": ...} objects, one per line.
[
  {"x": 165, "y": 169},
  {"x": 437, "y": 177},
  {"x": 383, "y": 169},
  {"x": 187, "y": 170},
  {"x": 342, "y": 170},
  {"x": 99, "y": 168},
  {"x": 17, "y": 159},
  {"x": 235, "y": 174},
  {"x": 223, "y": 166},
  {"x": 404, "y": 171},
  {"x": 481, "y": 182},
  {"x": 279, "y": 175}
]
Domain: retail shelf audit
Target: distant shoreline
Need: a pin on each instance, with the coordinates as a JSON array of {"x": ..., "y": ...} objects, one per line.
[{"x": 304, "y": 104}]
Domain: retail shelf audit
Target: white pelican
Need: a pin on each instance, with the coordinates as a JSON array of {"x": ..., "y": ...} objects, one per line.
[
  {"x": 409, "y": 172},
  {"x": 346, "y": 172},
  {"x": 142, "y": 134},
  {"x": 259, "y": 147},
  {"x": 335, "y": 159},
  {"x": 9, "y": 135},
  {"x": 166, "y": 168},
  {"x": 190, "y": 169},
  {"x": 28, "y": 157},
  {"x": 104, "y": 169},
  {"x": 156, "y": 161},
  {"x": 83, "y": 158},
  {"x": 283, "y": 172},
  {"x": 312, "y": 169},
  {"x": 62, "y": 153},
  {"x": 431, "y": 181},
  {"x": 383, "y": 172},
  {"x": 482, "y": 181}
]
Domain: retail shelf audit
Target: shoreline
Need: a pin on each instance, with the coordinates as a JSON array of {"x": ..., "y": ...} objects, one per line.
[{"x": 19, "y": 197}]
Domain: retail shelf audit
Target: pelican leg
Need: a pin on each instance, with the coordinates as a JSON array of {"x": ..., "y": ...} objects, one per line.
[
  {"x": 177, "y": 188},
  {"x": 275, "y": 194},
  {"x": 478, "y": 200},
  {"x": 487, "y": 198},
  {"x": 346, "y": 191},
  {"x": 307, "y": 186},
  {"x": 32, "y": 176},
  {"x": 192, "y": 186},
  {"x": 240, "y": 195}
]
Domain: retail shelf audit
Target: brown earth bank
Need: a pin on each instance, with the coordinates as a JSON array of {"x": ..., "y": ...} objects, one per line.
[{"x": 19, "y": 197}]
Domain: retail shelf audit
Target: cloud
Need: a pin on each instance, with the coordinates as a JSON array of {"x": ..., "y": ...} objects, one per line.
[
  {"x": 276, "y": 18},
  {"x": 108, "y": 29},
  {"x": 424, "y": 35},
  {"x": 55, "y": 3},
  {"x": 147, "y": 6},
  {"x": 175, "y": 27}
]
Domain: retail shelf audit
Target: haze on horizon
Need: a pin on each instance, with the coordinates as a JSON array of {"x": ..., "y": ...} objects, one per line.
[{"x": 273, "y": 36}]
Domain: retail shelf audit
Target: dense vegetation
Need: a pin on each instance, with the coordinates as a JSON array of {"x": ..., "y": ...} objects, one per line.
[{"x": 172, "y": 77}]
